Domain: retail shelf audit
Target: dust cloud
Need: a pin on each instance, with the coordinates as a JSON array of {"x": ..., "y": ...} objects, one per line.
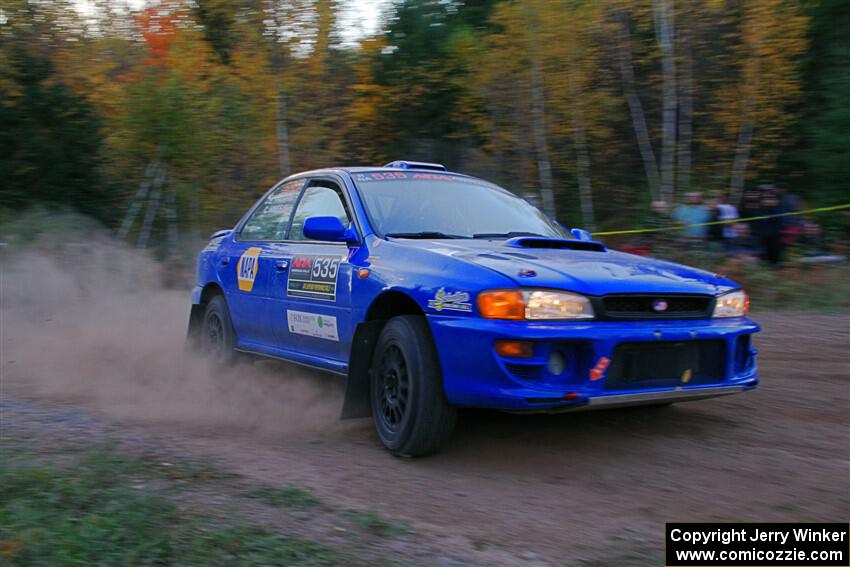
[{"x": 90, "y": 323}]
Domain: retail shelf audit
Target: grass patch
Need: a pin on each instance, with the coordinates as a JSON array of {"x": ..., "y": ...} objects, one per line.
[
  {"x": 290, "y": 496},
  {"x": 379, "y": 525},
  {"x": 791, "y": 286},
  {"x": 88, "y": 514}
]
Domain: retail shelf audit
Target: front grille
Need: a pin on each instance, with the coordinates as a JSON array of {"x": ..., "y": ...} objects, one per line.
[
  {"x": 634, "y": 306},
  {"x": 667, "y": 364},
  {"x": 525, "y": 371}
]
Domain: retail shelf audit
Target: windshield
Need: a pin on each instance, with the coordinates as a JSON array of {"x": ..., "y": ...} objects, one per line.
[{"x": 436, "y": 205}]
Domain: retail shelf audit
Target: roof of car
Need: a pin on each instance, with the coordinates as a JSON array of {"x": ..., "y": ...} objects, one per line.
[{"x": 370, "y": 168}]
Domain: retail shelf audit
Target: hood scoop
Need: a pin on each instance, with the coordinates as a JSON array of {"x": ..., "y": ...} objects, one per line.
[
  {"x": 555, "y": 244},
  {"x": 507, "y": 256}
]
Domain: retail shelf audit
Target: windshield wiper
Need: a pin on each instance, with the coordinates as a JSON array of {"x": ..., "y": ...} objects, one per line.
[
  {"x": 424, "y": 235},
  {"x": 512, "y": 234}
]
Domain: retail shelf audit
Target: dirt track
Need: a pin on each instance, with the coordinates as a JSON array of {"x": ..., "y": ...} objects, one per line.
[{"x": 592, "y": 488}]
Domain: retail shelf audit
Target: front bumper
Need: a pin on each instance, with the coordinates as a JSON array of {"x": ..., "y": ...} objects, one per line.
[{"x": 474, "y": 375}]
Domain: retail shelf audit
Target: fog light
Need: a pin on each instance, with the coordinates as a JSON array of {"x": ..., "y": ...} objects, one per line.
[
  {"x": 556, "y": 364},
  {"x": 515, "y": 349}
]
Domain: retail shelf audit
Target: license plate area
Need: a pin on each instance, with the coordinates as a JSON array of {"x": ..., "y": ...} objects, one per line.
[{"x": 666, "y": 364}]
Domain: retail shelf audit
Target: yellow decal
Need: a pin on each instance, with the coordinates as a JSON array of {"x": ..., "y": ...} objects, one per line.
[
  {"x": 686, "y": 376},
  {"x": 247, "y": 268}
]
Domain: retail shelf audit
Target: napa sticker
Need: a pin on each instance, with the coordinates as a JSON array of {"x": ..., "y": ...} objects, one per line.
[
  {"x": 247, "y": 268},
  {"x": 450, "y": 301},
  {"x": 312, "y": 325}
]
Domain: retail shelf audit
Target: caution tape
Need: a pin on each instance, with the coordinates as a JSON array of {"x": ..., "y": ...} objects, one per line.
[{"x": 729, "y": 221}]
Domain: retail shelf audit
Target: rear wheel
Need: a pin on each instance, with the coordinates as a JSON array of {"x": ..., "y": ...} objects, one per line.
[
  {"x": 217, "y": 338},
  {"x": 410, "y": 410}
]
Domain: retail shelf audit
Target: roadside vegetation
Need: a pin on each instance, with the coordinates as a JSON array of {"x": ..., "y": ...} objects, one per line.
[
  {"x": 792, "y": 286},
  {"x": 290, "y": 496},
  {"x": 96, "y": 509},
  {"x": 102, "y": 507},
  {"x": 379, "y": 525}
]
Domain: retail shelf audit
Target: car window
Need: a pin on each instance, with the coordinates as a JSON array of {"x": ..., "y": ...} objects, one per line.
[
  {"x": 320, "y": 199},
  {"x": 270, "y": 220},
  {"x": 412, "y": 203}
]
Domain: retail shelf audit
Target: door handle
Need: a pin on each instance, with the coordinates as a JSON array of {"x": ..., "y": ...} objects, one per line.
[
  {"x": 225, "y": 261},
  {"x": 281, "y": 265}
]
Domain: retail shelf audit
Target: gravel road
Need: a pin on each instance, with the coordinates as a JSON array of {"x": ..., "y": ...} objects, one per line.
[{"x": 574, "y": 489}]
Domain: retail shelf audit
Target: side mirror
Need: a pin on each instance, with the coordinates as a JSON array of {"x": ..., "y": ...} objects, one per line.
[
  {"x": 581, "y": 234},
  {"x": 328, "y": 229}
]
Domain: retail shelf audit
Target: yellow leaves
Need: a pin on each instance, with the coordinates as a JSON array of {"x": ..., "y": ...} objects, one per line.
[{"x": 772, "y": 40}]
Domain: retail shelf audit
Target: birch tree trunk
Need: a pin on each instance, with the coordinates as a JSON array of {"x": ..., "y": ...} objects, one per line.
[
  {"x": 498, "y": 149},
  {"x": 663, "y": 11},
  {"x": 281, "y": 124},
  {"x": 541, "y": 145},
  {"x": 273, "y": 28},
  {"x": 582, "y": 158},
  {"x": 742, "y": 155},
  {"x": 627, "y": 73},
  {"x": 138, "y": 199},
  {"x": 282, "y": 132},
  {"x": 538, "y": 116},
  {"x": 171, "y": 220},
  {"x": 686, "y": 110},
  {"x": 521, "y": 153},
  {"x": 153, "y": 207}
]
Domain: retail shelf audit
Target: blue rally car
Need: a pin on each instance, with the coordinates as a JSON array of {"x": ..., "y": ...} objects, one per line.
[{"x": 432, "y": 291}]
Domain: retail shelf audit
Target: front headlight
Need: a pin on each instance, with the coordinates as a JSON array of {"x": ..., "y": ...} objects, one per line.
[
  {"x": 732, "y": 304},
  {"x": 534, "y": 305}
]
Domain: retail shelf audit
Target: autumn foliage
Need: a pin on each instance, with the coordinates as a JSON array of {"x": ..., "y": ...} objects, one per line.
[{"x": 592, "y": 107}]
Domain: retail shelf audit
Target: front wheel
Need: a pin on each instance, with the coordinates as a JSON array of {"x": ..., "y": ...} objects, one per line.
[
  {"x": 216, "y": 337},
  {"x": 410, "y": 410}
]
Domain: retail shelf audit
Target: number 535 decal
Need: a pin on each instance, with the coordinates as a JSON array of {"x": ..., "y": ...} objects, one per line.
[{"x": 314, "y": 277}]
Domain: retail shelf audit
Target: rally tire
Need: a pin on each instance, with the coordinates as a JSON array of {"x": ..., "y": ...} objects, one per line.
[
  {"x": 409, "y": 407},
  {"x": 216, "y": 337}
]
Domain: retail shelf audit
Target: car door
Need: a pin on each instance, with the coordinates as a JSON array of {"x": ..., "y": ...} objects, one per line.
[
  {"x": 315, "y": 291},
  {"x": 250, "y": 259}
]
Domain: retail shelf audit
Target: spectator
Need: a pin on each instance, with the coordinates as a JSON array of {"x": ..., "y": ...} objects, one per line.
[
  {"x": 790, "y": 203},
  {"x": 751, "y": 200},
  {"x": 715, "y": 231},
  {"x": 812, "y": 242},
  {"x": 660, "y": 214},
  {"x": 743, "y": 244},
  {"x": 693, "y": 212},
  {"x": 721, "y": 210},
  {"x": 792, "y": 226},
  {"x": 814, "y": 247},
  {"x": 769, "y": 230}
]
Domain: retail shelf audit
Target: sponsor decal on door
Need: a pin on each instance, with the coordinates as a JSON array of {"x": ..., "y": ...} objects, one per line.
[
  {"x": 247, "y": 268},
  {"x": 313, "y": 277},
  {"x": 312, "y": 325}
]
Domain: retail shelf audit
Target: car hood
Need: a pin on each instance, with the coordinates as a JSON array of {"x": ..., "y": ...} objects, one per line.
[{"x": 591, "y": 272}]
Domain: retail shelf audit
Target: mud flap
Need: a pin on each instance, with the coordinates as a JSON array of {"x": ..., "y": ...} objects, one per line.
[
  {"x": 196, "y": 316},
  {"x": 357, "y": 387}
]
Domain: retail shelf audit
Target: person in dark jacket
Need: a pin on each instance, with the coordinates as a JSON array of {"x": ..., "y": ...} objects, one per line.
[{"x": 769, "y": 231}]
